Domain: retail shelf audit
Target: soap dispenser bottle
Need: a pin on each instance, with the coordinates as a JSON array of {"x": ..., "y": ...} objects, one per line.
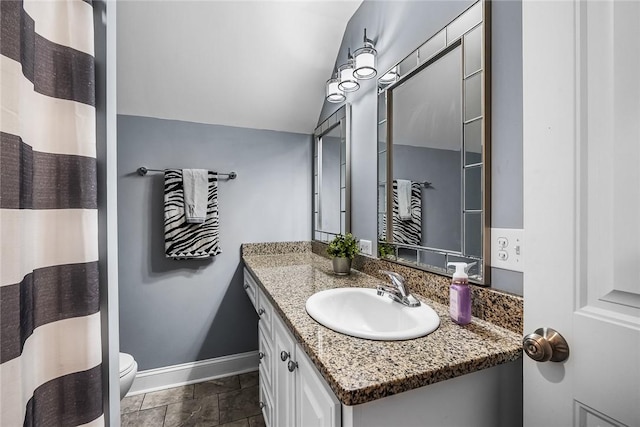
[{"x": 460, "y": 294}]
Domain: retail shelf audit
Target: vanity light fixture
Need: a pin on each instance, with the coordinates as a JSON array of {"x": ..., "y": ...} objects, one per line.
[
  {"x": 333, "y": 91},
  {"x": 365, "y": 59},
  {"x": 348, "y": 82}
]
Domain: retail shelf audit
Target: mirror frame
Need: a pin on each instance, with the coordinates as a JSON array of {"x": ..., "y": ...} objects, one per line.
[
  {"x": 341, "y": 118},
  {"x": 436, "y": 47}
]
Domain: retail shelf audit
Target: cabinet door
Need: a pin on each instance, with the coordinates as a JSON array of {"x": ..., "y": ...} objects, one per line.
[
  {"x": 266, "y": 404},
  {"x": 316, "y": 405},
  {"x": 284, "y": 380},
  {"x": 250, "y": 287},
  {"x": 267, "y": 360}
]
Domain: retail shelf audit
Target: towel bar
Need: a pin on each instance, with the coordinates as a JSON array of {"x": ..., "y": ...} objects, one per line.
[{"x": 142, "y": 171}]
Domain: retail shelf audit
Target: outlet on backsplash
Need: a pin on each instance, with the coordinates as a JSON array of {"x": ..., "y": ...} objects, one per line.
[
  {"x": 507, "y": 248},
  {"x": 365, "y": 247}
]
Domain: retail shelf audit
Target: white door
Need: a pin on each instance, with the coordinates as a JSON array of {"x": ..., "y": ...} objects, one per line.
[{"x": 581, "y": 82}]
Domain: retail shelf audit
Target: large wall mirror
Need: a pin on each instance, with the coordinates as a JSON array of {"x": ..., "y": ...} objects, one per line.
[
  {"x": 331, "y": 172},
  {"x": 433, "y": 150}
]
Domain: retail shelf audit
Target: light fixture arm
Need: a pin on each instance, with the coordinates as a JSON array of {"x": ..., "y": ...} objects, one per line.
[{"x": 367, "y": 41}]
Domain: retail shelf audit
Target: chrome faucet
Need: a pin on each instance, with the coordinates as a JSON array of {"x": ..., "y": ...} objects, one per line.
[{"x": 398, "y": 292}]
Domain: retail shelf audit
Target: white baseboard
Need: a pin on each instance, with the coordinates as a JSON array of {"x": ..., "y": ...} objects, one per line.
[{"x": 193, "y": 372}]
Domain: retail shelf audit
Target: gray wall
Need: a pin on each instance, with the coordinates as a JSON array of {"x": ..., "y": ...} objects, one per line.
[
  {"x": 398, "y": 27},
  {"x": 174, "y": 312},
  {"x": 506, "y": 138}
]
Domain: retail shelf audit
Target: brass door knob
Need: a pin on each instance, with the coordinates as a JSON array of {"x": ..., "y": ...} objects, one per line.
[{"x": 546, "y": 344}]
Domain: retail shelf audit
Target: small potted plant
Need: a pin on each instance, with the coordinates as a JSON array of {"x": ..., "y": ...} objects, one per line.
[{"x": 343, "y": 248}]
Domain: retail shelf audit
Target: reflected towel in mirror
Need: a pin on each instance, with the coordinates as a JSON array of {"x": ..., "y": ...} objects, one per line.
[
  {"x": 407, "y": 232},
  {"x": 404, "y": 199}
]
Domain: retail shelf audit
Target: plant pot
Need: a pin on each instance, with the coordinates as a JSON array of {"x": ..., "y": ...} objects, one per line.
[{"x": 342, "y": 266}]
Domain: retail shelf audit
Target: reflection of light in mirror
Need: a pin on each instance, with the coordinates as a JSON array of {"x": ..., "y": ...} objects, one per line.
[{"x": 390, "y": 76}]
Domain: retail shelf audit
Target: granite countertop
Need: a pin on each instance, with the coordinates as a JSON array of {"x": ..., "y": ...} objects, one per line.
[{"x": 360, "y": 370}]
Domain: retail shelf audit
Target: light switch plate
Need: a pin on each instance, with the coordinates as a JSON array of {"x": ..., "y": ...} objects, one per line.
[
  {"x": 507, "y": 248},
  {"x": 365, "y": 247}
]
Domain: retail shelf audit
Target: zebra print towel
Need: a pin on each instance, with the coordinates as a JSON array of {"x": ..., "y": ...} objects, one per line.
[
  {"x": 409, "y": 231},
  {"x": 181, "y": 239}
]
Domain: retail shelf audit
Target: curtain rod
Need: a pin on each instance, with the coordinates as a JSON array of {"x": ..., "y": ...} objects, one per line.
[{"x": 142, "y": 171}]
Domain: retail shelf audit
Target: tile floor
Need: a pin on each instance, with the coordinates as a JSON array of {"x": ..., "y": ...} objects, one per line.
[{"x": 224, "y": 402}]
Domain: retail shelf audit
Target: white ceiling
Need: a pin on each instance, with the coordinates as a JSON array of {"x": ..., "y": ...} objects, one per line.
[{"x": 254, "y": 64}]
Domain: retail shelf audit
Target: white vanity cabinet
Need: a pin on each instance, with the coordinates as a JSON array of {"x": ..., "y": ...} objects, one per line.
[
  {"x": 316, "y": 405},
  {"x": 294, "y": 394},
  {"x": 292, "y": 391}
]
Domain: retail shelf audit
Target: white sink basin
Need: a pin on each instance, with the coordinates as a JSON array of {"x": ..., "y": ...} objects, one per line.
[{"x": 362, "y": 313}]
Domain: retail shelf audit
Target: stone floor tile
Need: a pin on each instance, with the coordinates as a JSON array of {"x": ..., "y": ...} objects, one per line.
[
  {"x": 257, "y": 421},
  {"x": 220, "y": 385},
  {"x": 239, "y": 404},
  {"x": 201, "y": 412},
  {"x": 131, "y": 403},
  {"x": 239, "y": 423},
  {"x": 153, "y": 417},
  {"x": 249, "y": 379},
  {"x": 164, "y": 397}
]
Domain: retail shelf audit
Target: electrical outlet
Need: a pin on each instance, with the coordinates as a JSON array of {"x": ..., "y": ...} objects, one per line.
[
  {"x": 365, "y": 247},
  {"x": 507, "y": 248}
]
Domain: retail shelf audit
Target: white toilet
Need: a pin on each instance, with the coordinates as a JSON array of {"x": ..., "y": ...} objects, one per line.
[{"x": 128, "y": 371}]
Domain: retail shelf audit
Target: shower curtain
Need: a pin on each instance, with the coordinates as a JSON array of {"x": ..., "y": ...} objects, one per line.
[{"x": 50, "y": 347}]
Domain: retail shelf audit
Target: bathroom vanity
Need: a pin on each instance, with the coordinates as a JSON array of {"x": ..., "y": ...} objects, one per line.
[{"x": 313, "y": 376}]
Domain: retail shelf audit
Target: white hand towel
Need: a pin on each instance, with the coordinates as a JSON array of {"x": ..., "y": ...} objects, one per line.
[
  {"x": 196, "y": 188},
  {"x": 404, "y": 199}
]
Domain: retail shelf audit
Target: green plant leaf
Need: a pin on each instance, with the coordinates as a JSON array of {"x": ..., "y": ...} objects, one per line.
[{"x": 343, "y": 246}]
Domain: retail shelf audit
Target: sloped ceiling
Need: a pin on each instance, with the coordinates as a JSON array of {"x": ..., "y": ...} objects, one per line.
[{"x": 253, "y": 64}]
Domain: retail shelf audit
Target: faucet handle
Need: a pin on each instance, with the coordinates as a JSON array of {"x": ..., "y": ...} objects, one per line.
[{"x": 393, "y": 275}]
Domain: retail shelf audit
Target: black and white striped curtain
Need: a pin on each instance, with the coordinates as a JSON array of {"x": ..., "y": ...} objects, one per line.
[{"x": 50, "y": 347}]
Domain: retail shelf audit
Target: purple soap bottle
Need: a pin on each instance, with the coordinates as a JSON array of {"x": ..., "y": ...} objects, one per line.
[{"x": 460, "y": 294}]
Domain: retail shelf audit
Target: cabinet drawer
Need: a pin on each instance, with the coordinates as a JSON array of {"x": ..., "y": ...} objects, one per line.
[
  {"x": 265, "y": 311},
  {"x": 266, "y": 363},
  {"x": 251, "y": 288},
  {"x": 267, "y": 406}
]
